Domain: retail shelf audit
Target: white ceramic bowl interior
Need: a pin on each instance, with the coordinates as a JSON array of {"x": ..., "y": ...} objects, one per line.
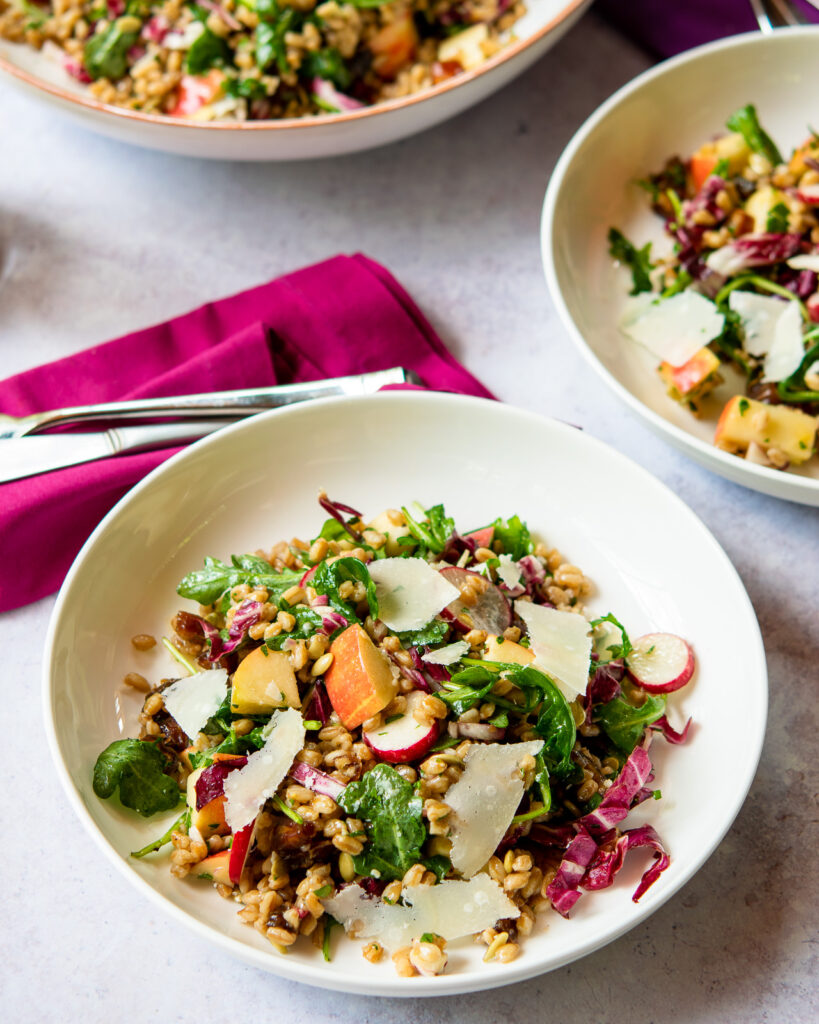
[
  {"x": 653, "y": 562},
  {"x": 668, "y": 110},
  {"x": 305, "y": 138}
]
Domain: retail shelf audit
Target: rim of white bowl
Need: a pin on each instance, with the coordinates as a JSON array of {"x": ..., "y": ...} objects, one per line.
[
  {"x": 88, "y": 102},
  {"x": 789, "y": 487},
  {"x": 446, "y": 984}
]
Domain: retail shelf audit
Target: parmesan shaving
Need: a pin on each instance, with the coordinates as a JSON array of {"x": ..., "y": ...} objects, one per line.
[
  {"x": 673, "y": 329},
  {"x": 760, "y": 315},
  {"x": 788, "y": 349},
  {"x": 447, "y": 655},
  {"x": 561, "y": 643},
  {"x": 193, "y": 700},
  {"x": 450, "y": 909},
  {"x": 247, "y": 788},
  {"x": 509, "y": 571},
  {"x": 484, "y": 801},
  {"x": 409, "y": 591}
]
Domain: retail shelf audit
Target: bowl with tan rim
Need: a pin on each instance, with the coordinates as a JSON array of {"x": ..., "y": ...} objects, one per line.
[{"x": 323, "y": 135}]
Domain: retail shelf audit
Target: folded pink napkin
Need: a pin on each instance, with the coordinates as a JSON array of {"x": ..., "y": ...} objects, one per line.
[{"x": 346, "y": 315}]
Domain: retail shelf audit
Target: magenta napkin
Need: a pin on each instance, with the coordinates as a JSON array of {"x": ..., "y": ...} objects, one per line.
[
  {"x": 667, "y": 27},
  {"x": 346, "y": 315}
]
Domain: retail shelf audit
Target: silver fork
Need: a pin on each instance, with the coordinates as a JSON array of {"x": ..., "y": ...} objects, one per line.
[
  {"x": 228, "y": 404},
  {"x": 772, "y": 14}
]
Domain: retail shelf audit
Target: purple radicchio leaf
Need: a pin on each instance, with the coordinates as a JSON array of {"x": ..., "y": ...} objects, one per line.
[
  {"x": 413, "y": 674},
  {"x": 604, "y": 685},
  {"x": 705, "y": 200},
  {"x": 317, "y": 781},
  {"x": 801, "y": 282},
  {"x": 612, "y": 852},
  {"x": 617, "y": 802},
  {"x": 335, "y": 509},
  {"x": 319, "y": 706},
  {"x": 211, "y": 783},
  {"x": 662, "y": 725},
  {"x": 563, "y": 889}
]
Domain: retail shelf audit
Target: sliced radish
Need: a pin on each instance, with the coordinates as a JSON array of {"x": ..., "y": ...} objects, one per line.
[
  {"x": 482, "y": 538},
  {"x": 490, "y": 612},
  {"x": 308, "y": 575},
  {"x": 239, "y": 850},
  {"x": 403, "y": 739},
  {"x": 660, "y": 662}
]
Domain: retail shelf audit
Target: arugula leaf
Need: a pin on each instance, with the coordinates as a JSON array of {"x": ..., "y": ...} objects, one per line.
[
  {"x": 625, "y": 724},
  {"x": 746, "y": 122},
  {"x": 637, "y": 260},
  {"x": 136, "y": 767},
  {"x": 624, "y": 648},
  {"x": 514, "y": 535},
  {"x": 307, "y": 623},
  {"x": 777, "y": 221},
  {"x": 438, "y": 864},
  {"x": 391, "y": 808},
  {"x": 434, "y": 532},
  {"x": 231, "y": 744},
  {"x": 721, "y": 168},
  {"x": 184, "y": 820},
  {"x": 208, "y": 584},
  {"x": 106, "y": 53},
  {"x": 467, "y": 688},
  {"x": 330, "y": 575},
  {"x": 433, "y": 633},
  {"x": 205, "y": 52},
  {"x": 334, "y": 530},
  {"x": 555, "y": 722},
  {"x": 270, "y": 45},
  {"x": 328, "y": 64},
  {"x": 542, "y": 782},
  {"x": 246, "y": 88},
  {"x": 219, "y": 722}
]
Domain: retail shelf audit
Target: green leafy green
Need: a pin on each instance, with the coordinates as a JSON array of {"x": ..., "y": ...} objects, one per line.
[
  {"x": 637, "y": 260},
  {"x": 208, "y": 584},
  {"x": 794, "y": 388},
  {"x": 433, "y": 633},
  {"x": 746, "y": 122},
  {"x": 432, "y": 533},
  {"x": 624, "y": 724},
  {"x": 328, "y": 64},
  {"x": 329, "y": 924},
  {"x": 106, "y": 52},
  {"x": 231, "y": 744},
  {"x": 219, "y": 722},
  {"x": 206, "y": 51},
  {"x": 137, "y": 768},
  {"x": 246, "y": 88},
  {"x": 269, "y": 38},
  {"x": 777, "y": 221},
  {"x": 391, "y": 808},
  {"x": 467, "y": 688},
  {"x": 438, "y": 864},
  {"x": 183, "y": 821},
  {"x": 307, "y": 623},
  {"x": 330, "y": 575},
  {"x": 555, "y": 722},
  {"x": 721, "y": 168},
  {"x": 624, "y": 648},
  {"x": 514, "y": 535},
  {"x": 334, "y": 530},
  {"x": 37, "y": 15}
]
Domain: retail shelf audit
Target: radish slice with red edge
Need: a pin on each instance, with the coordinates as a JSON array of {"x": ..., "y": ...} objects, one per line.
[
  {"x": 491, "y": 611},
  {"x": 403, "y": 739},
  {"x": 660, "y": 662}
]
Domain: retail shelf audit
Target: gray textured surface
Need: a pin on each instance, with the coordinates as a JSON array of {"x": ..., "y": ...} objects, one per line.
[{"x": 97, "y": 238}]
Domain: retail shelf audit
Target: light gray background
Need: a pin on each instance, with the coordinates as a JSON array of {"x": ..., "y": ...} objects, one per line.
[{"x": 96, "y": 239}]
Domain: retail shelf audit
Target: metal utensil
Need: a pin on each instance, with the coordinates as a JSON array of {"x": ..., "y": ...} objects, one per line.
[
  {"x": 234, "y": 404},
  {"x": 772, "y": 14},
  {"x": 27, "y": 456}
]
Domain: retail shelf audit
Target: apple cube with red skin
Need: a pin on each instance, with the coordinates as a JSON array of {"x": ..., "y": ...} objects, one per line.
[
  {"x": 744, "y": 420},
  {"x": 210, "y": 818},
  {"x": 693, "y": 379},
  {"x": 239, "y": 851},
  {"x": 215, "y": 867},
  {"x": 197, "y": 91},
  {"x": 360, "y": 681},
  {"x": 394, "y": 45},
  {"x": 507, "y": 651},
  {"x": 264, "y": 681}
]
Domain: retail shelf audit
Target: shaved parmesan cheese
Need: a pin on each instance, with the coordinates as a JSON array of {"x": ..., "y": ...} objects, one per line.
[
  {"x": 760, "y": 315},
  {"x": 805, "y": 261},
  {"x": 674, "y": 329},
  {"x": 409, "y": 591},
  {"x": 727, "y": 261},
  {"x": 450, "y": 909},
  {"x": 195, "y": 699},
  {"x": 561, "y": 643},
  {"x": 447, "y": 655},
  {"x": 246, "y": 789},
  {"x": 484, "y": 801},
  {"x": 788, "y": 349},
  {"x": 509, "y": 571}
]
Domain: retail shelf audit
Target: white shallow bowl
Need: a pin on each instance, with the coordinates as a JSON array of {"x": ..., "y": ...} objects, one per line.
[
  {"x": 653, "y": 562},
  {"x": 303, "y": 138},
  {"x": 668, "y": 110}
]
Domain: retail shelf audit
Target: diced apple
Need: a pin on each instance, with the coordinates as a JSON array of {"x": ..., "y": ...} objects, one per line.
[
  {"x": 467, "y": 47},
  {"x": 507, "y": 651},
  {"x": 809, "y": 148},
  {"x": 264, "y": 681},
  {"x": 732, "y": 148},
  {"x": 196, "y": 91},
  {"x": 760, "y": 204},
  {"x": 215, "y": 867},
  {"x": 744, "y": 420},
  {"x": 239, "y": 851},
  {"x": 210, "y": 818},
  {"x": 701, "y": 167},
  {"x": 394, "y": 526},
  {"x": 394, "y": 46},
  {"x": 404, "y": 739},
  {"x": 360, "y": 681},
  {"x": 693, "y": 379}
]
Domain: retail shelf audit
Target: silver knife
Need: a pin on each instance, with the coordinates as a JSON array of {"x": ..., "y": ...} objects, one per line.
[{"x": 28, "y": 456}]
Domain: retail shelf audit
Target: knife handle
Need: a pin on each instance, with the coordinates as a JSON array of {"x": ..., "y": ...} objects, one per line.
[{"x": 161, "y": 435}]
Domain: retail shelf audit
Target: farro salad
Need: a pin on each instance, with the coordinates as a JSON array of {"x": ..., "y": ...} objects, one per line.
[
  {"x": 740, "y": 288},
  {"x": 412, "y": 732},
  {"x": 260, "y": 59}
]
